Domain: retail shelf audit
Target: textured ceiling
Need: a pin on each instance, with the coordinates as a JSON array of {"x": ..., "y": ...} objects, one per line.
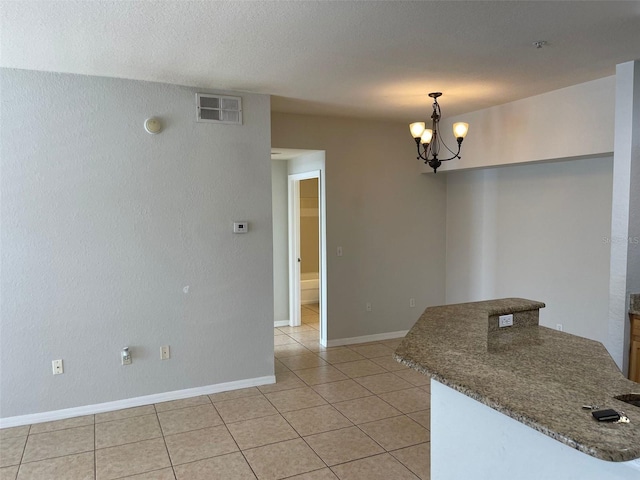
[{"x": 365, "y": 59}]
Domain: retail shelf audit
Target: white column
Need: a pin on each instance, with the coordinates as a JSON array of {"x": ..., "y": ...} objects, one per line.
[{"x": 624, "y": 276}]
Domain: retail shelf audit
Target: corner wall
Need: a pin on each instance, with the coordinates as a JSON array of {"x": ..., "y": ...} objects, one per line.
[
  {"x": 538, "y": 231},
  {"x": 388, "y": 219},
  {"x": 280, "y": 240},
  {"x": 569, "y": 123},
  {"x": 625, "y": 224},
  {"x": 103, "y": 228}
]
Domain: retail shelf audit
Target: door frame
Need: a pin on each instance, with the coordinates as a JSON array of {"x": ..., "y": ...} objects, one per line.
[{"x": 294, "y": 250}]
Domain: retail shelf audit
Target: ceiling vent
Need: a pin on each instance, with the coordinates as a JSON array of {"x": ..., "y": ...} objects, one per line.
[{"x": 219, "y": 109}]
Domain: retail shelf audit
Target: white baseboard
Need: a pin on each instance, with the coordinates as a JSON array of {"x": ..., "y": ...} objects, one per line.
[
  {"x": 366, "y": 338},
  {"x": 133, "y": 402},
  {"x": 281, "y": 323}
]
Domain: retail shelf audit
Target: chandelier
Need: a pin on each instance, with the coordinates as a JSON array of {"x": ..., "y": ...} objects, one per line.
[{"x": 428, "y": 140}]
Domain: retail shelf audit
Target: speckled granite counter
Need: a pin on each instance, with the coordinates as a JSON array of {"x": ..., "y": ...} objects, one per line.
[
  {"x": 535, "y": 375},
  {"x": 634, "y": 307}
]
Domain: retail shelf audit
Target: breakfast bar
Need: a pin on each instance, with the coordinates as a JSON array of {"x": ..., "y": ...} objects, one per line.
[{"x": 516, "y": 401}]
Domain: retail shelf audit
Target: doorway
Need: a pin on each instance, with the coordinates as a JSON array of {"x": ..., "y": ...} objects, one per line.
[
  {"x": 306, "y": 241},
  {"x": 309, "y": 226}
]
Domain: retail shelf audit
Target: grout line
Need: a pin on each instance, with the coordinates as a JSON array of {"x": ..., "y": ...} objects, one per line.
[
  {"x": 125, "y": 418},
  {"x": 376, "y": 455},
  {"x": 59, "y": 429},
  {"x": 24, "y": 448},
  {"x": 142, "y": 473},
  {"x": 95, "y": 456},
  {"x": 327, "y": 431},
  {"x": 52, "y": 458},
  {"x": 164, "y": 440},
  {"x": 131, "y": 443},
  {"x": 306, "y": 473}
]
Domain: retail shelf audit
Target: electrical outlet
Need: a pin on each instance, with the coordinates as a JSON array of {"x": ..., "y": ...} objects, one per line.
[
  {"x": 165, "y": 352},
  {"x": 559, "y": 327},
  {"x": 506, "y": 320},
  {"x": 368, "y": 307},
  {"x": 412, "y": 302},
  {"x": 57, "y": 367}
]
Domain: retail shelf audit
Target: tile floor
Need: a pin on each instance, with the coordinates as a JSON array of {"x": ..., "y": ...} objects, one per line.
[{"x": 344, "y": 413}]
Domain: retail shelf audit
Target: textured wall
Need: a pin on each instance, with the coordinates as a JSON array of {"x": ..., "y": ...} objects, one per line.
[
  {"x": 387, "y": 217},
  {"x": 103, "y": 225},
  {"x": 534, "y": 231},
  {"x": 280, "y": 192},
  {"x": 551, "y": 126},
  {"x": 625, "y": 221}
]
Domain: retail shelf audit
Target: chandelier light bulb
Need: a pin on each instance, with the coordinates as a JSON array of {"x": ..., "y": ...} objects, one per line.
[
  {"x": 426, "y": 136},
  {"x": 417, "y": 129},
  {"x": 460, "y": 129}
]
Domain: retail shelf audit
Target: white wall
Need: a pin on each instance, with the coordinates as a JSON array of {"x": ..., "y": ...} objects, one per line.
[
  {"x": 625, "y": 225},
  {"x": 389, "y": 220},
  {"x": 102, "y": 227},
  {"x": 536, "y": 231},
  {"x": 306, "y": 162},
  {"x": 280, "y": 240},
  {"x": 572, "y": 122}
]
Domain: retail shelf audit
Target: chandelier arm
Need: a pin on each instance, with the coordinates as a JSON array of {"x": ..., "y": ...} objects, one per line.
[
  {"x": 455, "y": 155},
  {"x": 451, "y": 151},
  {"x": 422, "y": 156}
]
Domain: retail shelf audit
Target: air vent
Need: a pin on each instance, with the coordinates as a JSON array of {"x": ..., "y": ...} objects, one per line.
[{"x": 219, "y": 109}]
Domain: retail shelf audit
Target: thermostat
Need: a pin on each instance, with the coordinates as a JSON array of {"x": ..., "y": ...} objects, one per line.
[{"x": 240, "y": 227}]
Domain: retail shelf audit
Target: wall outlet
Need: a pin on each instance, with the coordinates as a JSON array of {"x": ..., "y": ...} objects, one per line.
[
  {"x": 165, "y": 352},
  {"x": 505, "y": 320},
  {"x": 559, "y": 327},
  {"x": 412, "y": 302},
  {"x": 57, "y": 367},
  {"x": 240, "y": 227},
  {"x": 368, "y": 307}
]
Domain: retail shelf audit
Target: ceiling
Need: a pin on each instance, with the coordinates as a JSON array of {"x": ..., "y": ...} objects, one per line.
[{"x": 349, "y": 58}]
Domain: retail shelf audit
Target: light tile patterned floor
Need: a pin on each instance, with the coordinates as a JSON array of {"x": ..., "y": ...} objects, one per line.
[{"x": 345, "y": 413}]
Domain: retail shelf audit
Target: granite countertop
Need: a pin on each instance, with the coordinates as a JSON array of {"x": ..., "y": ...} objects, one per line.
[
  {"x": 538, "y": 376},
  {"x": 634, "y": 307}
]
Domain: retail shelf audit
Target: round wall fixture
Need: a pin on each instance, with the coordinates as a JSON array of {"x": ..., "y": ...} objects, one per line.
[{"x": 153, "y": 125}]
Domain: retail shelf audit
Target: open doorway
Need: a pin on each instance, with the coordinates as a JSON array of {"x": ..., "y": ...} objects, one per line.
[
  {"x": 299, "y": 225},
  {"x": 305, "y": 256},
  {"x": 309, "y": 224}
]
